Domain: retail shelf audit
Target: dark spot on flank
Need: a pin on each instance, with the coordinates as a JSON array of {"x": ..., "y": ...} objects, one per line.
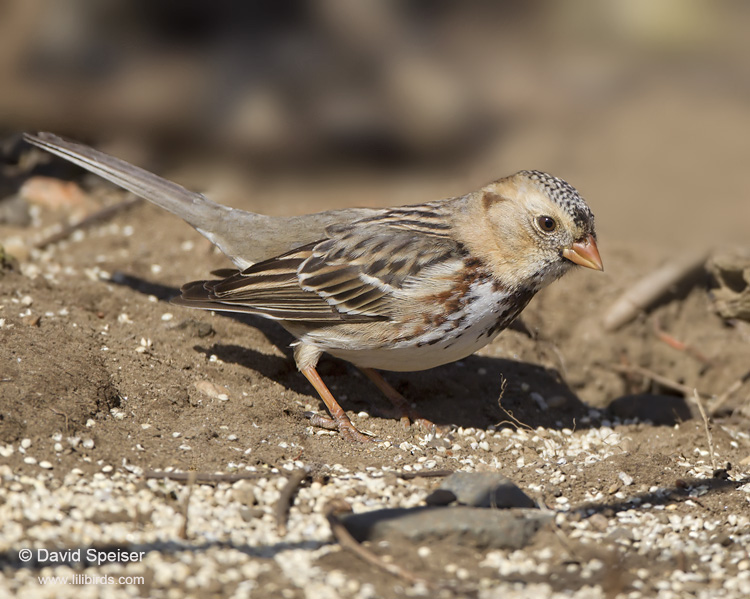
[{"x": 497, "y": 286}]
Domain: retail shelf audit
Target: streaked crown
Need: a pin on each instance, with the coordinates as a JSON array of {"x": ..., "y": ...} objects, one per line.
[{"x": 564, "y": 195}]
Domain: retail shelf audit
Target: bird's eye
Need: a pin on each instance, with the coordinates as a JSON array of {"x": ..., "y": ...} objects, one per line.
[{"x": 547, "y": 223}]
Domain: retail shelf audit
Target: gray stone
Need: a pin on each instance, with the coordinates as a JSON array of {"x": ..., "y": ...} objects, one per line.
[
  {"x": 14, "y": 211},
  {"x": 440, "y": 497},
  {"x": 477, "y": 527},
  {"x": 481, "y": 489}
]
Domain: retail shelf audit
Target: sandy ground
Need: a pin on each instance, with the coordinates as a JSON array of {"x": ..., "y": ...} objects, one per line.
[
  {"x": 103, "y": 381},
  {"x": 102, "y": 377}
]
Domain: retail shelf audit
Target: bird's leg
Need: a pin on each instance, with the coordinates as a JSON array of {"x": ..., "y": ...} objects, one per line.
[
  {"x": 403, "y": 408},
  {"x": 341, "y": 421},
  {"x": 306, "y": 356}
]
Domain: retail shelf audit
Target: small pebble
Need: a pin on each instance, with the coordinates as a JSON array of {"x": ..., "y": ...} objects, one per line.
[{"x": 212, "y": 390}]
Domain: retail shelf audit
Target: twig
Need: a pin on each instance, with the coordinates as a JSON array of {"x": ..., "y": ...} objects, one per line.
[
  {"x": 652, "y": 288},
  {"x": 708, "y": 430},
  {"x": 724, "y": 397},
  {"x": 503, "y": 387},
  {"x": 424, "y": 474},
  {"x": 54, "y": 411},
  {"x": 513, "y": 420},
  {"x": 186, "y": 504},
  {"x": 202, "y": 478},
  {"x": 100, "y": 215},
  {"x": 665, "y": 337},
  {"x": 347, "y": 541},
  {"x": 657, "y": 378},
  {"x": 286, "y": 497}
]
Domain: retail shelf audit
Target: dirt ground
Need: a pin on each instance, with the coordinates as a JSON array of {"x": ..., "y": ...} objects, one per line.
[
  {"x": 92, "y": 348},
  {"x": 642, "y": 106},
  {"x": 90, "y": 331}
]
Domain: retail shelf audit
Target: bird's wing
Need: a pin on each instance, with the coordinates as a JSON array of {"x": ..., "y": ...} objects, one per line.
[{"x": 358, "y": 274}]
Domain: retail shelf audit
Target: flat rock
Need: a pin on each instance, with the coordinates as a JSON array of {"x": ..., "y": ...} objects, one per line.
[
  {"x": 477, "y": 527},
  {"x": 480, "y": 489}
]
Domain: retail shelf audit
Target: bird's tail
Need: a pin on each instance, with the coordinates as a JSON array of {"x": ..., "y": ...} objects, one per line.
[
  {"x": 197, "y": 210},
  {"x": 245, "y": 237}
]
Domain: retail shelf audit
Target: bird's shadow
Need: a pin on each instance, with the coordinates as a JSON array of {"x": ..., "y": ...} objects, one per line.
[{"x": 476, "y": 392}]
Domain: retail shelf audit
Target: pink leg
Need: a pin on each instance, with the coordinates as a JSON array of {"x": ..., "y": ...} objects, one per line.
[
  {"x": 403, "y": 409},
  {"x": 340, "y": 420}
]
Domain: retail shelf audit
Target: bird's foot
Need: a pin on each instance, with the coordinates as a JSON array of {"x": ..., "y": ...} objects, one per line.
[
  {"x": 344, "y": 426},
  {"x": 338, "y": 421}
]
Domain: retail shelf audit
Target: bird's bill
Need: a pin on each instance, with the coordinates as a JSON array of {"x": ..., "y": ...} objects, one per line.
[{"x": 584, "y": 253}]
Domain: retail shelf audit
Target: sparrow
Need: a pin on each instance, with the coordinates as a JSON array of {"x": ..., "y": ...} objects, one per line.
[{"x": 401, "y": 289}]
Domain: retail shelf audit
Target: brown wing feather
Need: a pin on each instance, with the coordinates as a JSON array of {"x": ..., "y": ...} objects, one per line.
[
  {"x": 270, "y": 288},
  {"x": 363, "y": 270},
  {"x": 358, "y": 274}
]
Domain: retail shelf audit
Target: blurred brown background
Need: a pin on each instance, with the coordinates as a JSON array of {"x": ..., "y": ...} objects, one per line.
[{"x": 644, "y": 105}]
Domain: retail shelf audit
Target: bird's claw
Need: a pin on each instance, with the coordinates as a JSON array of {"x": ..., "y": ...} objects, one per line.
[{"x": 347, "y": 430}]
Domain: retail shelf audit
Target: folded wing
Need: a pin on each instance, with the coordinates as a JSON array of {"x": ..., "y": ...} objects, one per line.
[{"x": 359, "y": 274}]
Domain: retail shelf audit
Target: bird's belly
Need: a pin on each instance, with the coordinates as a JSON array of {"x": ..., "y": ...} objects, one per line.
[
  {"x": 417, "y": 357},
  {"x": 453, "y": 340},
  {"x": 419, "y": 347}
]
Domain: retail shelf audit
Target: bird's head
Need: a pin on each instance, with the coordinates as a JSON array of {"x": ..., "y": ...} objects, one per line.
[{"x": 531, "y": 228}]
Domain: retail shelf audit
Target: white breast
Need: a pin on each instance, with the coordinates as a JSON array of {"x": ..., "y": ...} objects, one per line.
[{"x": 463, "y": 333}]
